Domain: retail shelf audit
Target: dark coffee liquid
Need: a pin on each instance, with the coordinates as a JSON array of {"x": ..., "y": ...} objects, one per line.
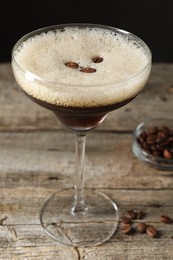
[{"x": 81, "y": 118}]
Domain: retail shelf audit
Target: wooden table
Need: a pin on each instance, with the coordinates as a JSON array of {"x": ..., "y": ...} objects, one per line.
[{"x": 37, "y": 158}]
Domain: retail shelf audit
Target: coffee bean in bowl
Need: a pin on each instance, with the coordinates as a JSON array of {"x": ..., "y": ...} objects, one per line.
[{"x": 152, "y": 143}]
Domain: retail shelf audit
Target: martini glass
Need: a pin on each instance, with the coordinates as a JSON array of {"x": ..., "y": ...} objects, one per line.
[{"x": 80, "y": 72}]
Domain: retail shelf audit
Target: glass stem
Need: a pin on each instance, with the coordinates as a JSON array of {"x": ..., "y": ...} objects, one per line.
[{"x": 79, "y": 206}]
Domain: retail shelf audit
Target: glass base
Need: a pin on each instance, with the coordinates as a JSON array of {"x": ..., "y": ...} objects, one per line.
[{"x": 93, "y": 228}]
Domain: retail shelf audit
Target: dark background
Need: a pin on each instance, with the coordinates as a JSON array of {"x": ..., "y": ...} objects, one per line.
[{"x": 151, "y": 20}]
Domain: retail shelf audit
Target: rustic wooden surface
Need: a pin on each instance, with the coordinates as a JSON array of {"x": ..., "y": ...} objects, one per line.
[{"x": 37, "y": 158}]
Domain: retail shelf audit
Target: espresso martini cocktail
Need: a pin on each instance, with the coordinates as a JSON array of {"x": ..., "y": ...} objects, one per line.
[{"x": 81, "y": 72}]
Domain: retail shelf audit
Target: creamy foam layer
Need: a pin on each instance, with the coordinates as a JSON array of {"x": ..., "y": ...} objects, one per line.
[{"x": 46, "y": 55}]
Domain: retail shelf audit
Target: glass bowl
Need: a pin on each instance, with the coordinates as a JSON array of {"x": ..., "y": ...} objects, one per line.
[{"x": 152, "y": 143}]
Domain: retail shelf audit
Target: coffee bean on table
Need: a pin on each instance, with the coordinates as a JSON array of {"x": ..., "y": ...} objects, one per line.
[
  {"x": 126, "y": 228},
  {"x": 131, "y": 214},
  {"x": 151, "y": 232},
  {"x": 165, "y": 219},
  {"x": 141, "y": 227}
]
